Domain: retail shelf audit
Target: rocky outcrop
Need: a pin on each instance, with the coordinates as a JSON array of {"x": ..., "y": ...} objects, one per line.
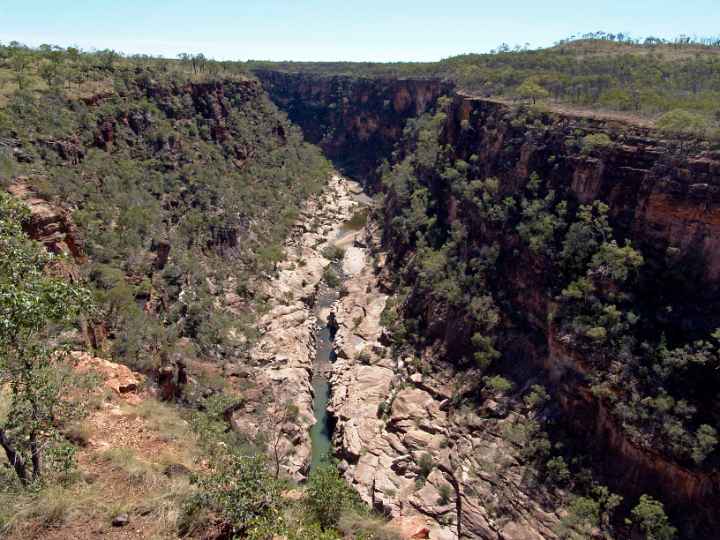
[
  {"x": 116, "y": 377},
  {"x": 410, "y": 451},
  {"x": 355, "y": 121},
  {"x": 282, "y": 359},
  {"x": 48, "y": 224}
]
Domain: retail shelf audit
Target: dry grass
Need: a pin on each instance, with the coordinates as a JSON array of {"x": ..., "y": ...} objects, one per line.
[
  {"x": 164, "y": 419},
  {"x": 356, "y": 525},
  {"x": 86, "y": 510},
  {"x": 79, "y": 433},
  {"x": 122, "y": 470}
]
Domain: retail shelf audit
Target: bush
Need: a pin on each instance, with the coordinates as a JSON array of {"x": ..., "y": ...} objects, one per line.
[
  {"x": 649, "y": 516},
  {"x": 241, "y": 489},
  {"x": 595, "y": 140},
  {"x": 333, "y": 253},
  {"x": 682, "y": 122},
  {"x": 426, "y": 465},
  {"x": 328, "y": 495},
  {"x": 497, "y": 384},
  {"x": 331, "y": 278},
  {"x": 358, "y": 220},
  {"x": 445, "y": 491}
]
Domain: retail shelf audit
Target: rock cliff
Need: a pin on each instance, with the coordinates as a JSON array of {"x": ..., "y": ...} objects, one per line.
[{"x": 355, "y": 121}]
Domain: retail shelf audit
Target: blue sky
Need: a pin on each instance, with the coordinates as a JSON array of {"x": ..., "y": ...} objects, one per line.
[{"x": 339, "y": 29}]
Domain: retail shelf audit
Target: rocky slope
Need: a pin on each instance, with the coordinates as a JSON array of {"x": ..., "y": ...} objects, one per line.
[
  {"x": 404, "y": 447},
  {"x": 50, "y": 225}
]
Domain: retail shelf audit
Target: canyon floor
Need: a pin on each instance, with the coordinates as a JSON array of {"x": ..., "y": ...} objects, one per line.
[{"x": 401, "y": 440}]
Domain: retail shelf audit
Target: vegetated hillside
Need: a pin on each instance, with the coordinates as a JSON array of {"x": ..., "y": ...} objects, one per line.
[
  {"x": 638, "y": 79},
  {"x": 182, "y": 190},
  {"x": 170, "y": 193},
  {"x": 523, "y": 238}
]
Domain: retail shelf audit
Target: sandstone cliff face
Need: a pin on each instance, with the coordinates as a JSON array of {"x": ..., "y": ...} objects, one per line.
[
  {"x": 355, "y": 121},
  {"x": 662, "y": 193}
]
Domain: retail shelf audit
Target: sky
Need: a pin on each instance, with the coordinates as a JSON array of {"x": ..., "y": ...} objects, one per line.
[{"x": 316, "y": 30}]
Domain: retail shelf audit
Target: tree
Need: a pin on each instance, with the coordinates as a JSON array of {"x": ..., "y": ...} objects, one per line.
[
  {"x": 288, "y": 413},
  {"x": 682, "y": 122},
  {"x": 34, "y": 304},
  {"x": 328, "y": 494},
  {"x": 532, "y": 90},
  {"x": 20, "y": 62},
  {"x": 649, "y": 516}
]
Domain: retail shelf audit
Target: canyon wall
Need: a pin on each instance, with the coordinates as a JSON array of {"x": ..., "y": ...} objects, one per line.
[
  {"x": 355, "y": 121},
  {"x": 664, "y": 196}
]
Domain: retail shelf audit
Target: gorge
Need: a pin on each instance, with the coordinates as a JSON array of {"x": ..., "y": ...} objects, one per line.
[
  {"x": 490, "y": 318},
  {"x": 660, "y": 194}
]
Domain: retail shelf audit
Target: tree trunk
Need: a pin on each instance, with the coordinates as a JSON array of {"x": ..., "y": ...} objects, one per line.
[
  {"x": 36, "y": 456},
  {"x": 14, "y": 458}
]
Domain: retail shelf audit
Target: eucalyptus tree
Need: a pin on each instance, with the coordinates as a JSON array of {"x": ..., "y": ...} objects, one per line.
[{"x": 35, "y": 304}]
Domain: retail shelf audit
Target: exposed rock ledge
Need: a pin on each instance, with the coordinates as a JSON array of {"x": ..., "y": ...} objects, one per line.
[
  {"x": 389, "y": 415},
  {"x": 282, "y": 359}
]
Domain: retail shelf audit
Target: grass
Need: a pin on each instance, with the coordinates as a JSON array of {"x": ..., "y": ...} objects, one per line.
[
  {"x": 361, "y": 525},
  {"x": 78, "y": 433},
  {"x": 164, "y": 419},
  {"x": 137, "y": 471},
  {"x": 25, "y": 514},
  {"x": 52, "y": 506}
]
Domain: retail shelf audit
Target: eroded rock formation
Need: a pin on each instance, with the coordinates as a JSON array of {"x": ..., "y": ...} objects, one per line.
[
  {"x": 50, "y": 225},
  {"x": 404, "y": 447}
]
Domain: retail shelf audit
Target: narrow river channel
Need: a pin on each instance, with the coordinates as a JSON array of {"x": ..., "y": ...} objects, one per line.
[{"x": 321, "y": 432}]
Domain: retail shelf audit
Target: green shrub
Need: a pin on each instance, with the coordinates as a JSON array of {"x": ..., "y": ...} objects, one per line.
[
  {"x": 333, "y": 253},
  {"x": 649, "y": 516},
  {"x": 426, "y": 465},
  {"x": 241, "y": 489},
  {"x": 328, "y": 495},
  {"x": 497, "y": 384},
  {"x": 331, "y": 278},
  {"x": 594, "y": 141},
  {"x": 682, "y": 122}
]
